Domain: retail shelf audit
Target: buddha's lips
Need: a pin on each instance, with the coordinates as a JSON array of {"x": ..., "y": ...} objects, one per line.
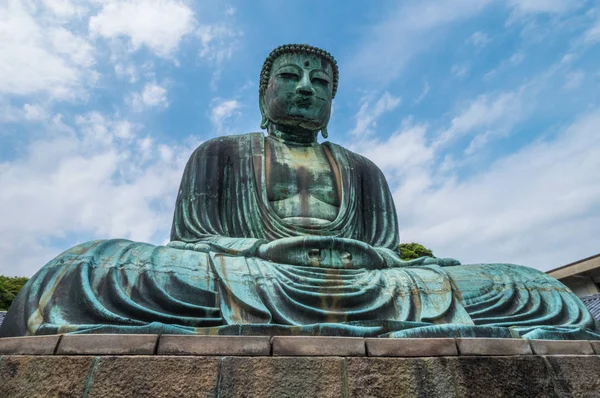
[{"x": 303, "y": 101}]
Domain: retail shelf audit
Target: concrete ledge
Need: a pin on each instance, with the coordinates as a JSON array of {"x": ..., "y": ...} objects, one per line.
[
  {"x": 318, "y": 346},
  {"x": 214, "y": 345},
  {"x": 115, "y": 344},
  {"x": 469, "y": 346},
  {"x": 411, "y": 347},
  {"x": 107, "y": 344},
  {"x": 558, "y": 347},
  {"x": 596, "y": 346},
  {"x": 38, "y": 345}
]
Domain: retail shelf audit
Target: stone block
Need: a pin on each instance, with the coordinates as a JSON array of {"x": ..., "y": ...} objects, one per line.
[
  {"x": 296, "y": 377},
  {"x": 214, "y": 345},
  {"x": 43, "y": 376},
  {"x": 402, "y": 377},
  {"x": 561, "y": 347},
  {"x": 34, "y": 345},
  {"x": 504, "y": 376},
  {"x": 152, "y": 376},
  {"x": 107, "y": 344},
  {"x": 525, "y": 376},
  {"x": 485, "y": 346},
  {"x": 318, "y": 346},
  {"x": 411, "y": 347},
  {"x": 596, "y": 346},
  {"x": 575, "y": 375}
]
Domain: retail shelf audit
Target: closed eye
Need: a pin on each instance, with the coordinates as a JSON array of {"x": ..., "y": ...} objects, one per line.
[
  {"x": 288, "y": 75},
  {"x": 320, "y": 81}
]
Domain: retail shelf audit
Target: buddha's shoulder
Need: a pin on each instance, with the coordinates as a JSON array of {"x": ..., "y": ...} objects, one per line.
[{"x": 227, "y": 143}]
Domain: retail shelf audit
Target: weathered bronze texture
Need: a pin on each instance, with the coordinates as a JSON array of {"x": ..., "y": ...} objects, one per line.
[{"x": 283, "y": 235}]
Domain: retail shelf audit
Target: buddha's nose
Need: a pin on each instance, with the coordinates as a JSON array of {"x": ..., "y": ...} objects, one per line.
[{"x": 305, "y": 87}]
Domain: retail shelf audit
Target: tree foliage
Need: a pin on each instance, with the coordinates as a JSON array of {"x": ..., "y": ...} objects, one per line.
[
  {"x": 409, "y": 251},
  {"x": 9, "y": 288}
]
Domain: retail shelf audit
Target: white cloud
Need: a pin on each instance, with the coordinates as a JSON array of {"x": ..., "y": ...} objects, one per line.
[
  {"x": 516, "y": 58},
  {"x": 367, "y": 116},
  {"x": 126, "y": 71},
  {"x": 35, "y": 112},
  {"x": 75, "y": 49},
  {"x": 592, "y": 35},
  {"x": 152, "y": 96},
  {"x": 423, "y": 94},
  {"x": 64, "y": 8},
  {"x": 415, "y": 26},
  {"x": 460, "y": 70},
  {"x": 40, "y": 56},
  {"x": 216, "y": 45},
  {"x": 28, "y": 112},
  {"x": 403, "y": 153},
  {"x": 492, "y": 114},
  {"x": 85, "y": 179},
  {"x": 410, "y": 29},
  {"x": 537, "y": 207},
  {"x": 479, "y": 39},
  {"x": 158, "y": 25},
  {"x": 221, "y": 110},
  {"x": 574, "y": 80},
  {"x": 218, "y": 42},
  {"x": 229, "y": 10},
  {"x": 512, "y": 61},
  {"x": 543, "y": 6}
]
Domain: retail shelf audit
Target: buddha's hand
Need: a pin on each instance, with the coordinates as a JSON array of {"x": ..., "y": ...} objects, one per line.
[
  {"x": 321, "y": 251},
  {"x": 442, "y": 262},
  {"x": 393, "y": 260},
  {"x": 197, "y": 247}
]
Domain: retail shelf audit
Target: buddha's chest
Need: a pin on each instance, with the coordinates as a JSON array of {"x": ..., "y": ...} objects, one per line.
[{"x": 301, "y": 181}]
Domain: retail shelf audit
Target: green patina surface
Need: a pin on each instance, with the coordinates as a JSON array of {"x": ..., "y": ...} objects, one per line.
[{"x": 281, "y": 234}]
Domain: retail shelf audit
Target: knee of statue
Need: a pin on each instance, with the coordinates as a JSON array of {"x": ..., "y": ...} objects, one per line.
[{"x": 281, "y": 233}]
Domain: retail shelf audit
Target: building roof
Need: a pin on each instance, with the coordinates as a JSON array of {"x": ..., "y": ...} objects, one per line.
[
  {"x": 2, "y": 315},
  {"x": 592, "y": 303},
  {"x": 584, "y": 265}
]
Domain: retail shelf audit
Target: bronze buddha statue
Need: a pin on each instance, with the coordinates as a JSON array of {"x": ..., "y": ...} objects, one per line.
[{"x": 281, "y": 234}]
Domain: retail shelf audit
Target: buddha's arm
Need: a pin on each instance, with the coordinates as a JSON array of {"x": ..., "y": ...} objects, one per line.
[
  {"x": 392, "y": 260},
  {"x": 214, "y": 211},
  {"x": 236, "y": 246},
  {"x": 333, "y": 252}
]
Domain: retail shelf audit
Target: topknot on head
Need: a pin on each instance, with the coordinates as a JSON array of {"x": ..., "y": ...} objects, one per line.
[{"x": 265, "y": 72}]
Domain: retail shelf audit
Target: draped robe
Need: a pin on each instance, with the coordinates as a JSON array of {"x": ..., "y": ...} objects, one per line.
[{"x": 221, "y": 287}]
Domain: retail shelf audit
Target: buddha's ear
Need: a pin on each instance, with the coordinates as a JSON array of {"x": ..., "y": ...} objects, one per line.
[
  {"x": 324, "y": 132},
  {"x": 264, "y": 121}
]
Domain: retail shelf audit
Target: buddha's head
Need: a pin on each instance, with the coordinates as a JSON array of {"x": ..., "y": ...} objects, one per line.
[{"x": 297, "y": 84}]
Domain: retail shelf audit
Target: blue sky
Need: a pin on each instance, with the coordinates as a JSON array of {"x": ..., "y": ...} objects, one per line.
[{"x": 484, "y": 115}]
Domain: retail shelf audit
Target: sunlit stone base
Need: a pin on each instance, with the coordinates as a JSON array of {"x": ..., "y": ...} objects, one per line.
[{"x": 201, "y": 366}]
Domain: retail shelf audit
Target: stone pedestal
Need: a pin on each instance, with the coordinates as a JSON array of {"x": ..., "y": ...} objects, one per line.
[{"x": 190, "y": 366}]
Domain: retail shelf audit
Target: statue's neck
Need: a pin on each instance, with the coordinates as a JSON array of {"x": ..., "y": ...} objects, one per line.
[{"x": 293, "y": 135}]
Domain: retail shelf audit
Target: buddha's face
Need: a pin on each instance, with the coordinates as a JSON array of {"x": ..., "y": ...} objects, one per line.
[{"x": 299, "y": 92}]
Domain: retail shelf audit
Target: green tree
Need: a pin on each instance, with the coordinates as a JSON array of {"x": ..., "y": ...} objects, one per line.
[
  {"x": 409, "y": 251},
  {"x": 9, "y": 288}
]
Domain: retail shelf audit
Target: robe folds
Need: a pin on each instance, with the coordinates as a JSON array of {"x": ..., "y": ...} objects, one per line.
[
  {"x": 222, "y": 287},
  {"x": 223, "y": 195}
]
